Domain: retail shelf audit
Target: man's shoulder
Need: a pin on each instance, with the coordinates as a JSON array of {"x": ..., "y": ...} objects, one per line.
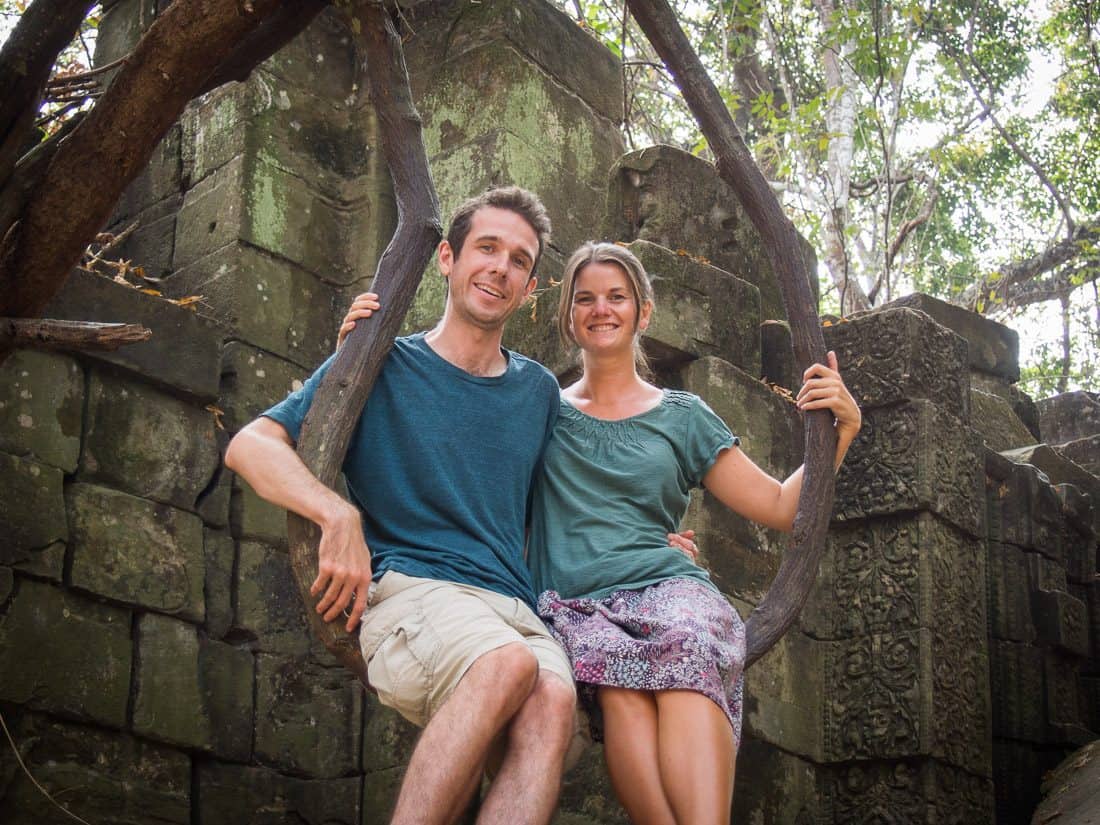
[{"x": 530, "y": 369}]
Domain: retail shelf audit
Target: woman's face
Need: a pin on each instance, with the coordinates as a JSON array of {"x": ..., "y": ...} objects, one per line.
[{"x": 605, "y": 315}]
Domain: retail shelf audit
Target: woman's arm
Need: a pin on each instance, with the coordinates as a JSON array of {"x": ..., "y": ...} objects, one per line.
[{"x": 747, "y": 490}]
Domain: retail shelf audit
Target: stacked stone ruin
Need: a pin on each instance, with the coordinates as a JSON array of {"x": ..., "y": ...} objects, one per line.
[{"x": 154, "y": 660}]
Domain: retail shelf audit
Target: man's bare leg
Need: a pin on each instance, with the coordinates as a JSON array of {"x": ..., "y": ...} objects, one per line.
[
  {"x": 447, "y": 762},
  {"x": 525, "y": 792}
]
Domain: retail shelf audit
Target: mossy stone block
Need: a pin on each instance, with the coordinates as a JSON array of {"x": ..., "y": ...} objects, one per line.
[
  {"x": 188, "y": 371},
  {"x": 65, "y": 654},
  {"x": 261, "y": 796},
  {"x": 220, "y": 552},
  {"x": 699, "y": 310},
  {"x": 192, "y": 692},
  {"x": 254, "y": 381},
  {"x": 308, "y": 718},
  {"x": 546, "y": 36},
  {"x": 104, "y": 777},
  {"x": 250, "y": 517},
  {"x": 136, "y": 551},
  {"x": 147, "y": 443},
  {"x": 269, "y": 608},
  {"x": 32, "y": 516},
  {"x": 265, "y": 301},
  {"x": 41, "y": 405}
]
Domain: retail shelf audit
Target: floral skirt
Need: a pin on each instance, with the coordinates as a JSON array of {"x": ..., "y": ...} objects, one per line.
[{"x": 679, "y": 634}]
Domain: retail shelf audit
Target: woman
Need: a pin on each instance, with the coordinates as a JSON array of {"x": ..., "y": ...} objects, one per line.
[{"x": 657, "y": 651}]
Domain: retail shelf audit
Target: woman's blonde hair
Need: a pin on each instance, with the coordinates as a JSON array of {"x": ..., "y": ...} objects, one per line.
[{"x": 593, "y": 252}]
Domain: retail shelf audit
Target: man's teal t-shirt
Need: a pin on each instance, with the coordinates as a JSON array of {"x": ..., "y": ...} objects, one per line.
[
  {"x": 441, "y": 464},
  {"x": 611, "y": 492}
]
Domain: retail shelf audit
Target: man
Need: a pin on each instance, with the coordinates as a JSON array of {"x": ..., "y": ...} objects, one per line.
[{"x": 440, "y": 465}]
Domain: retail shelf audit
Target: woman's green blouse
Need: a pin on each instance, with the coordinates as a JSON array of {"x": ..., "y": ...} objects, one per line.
[{"x": 611, "y": 491}]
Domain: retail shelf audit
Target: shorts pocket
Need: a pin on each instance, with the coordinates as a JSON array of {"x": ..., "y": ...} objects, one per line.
[{"x": 399, "y": 677}]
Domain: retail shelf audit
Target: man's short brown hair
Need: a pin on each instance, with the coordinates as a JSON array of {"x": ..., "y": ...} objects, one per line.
[{"x": 524, "y": 203}]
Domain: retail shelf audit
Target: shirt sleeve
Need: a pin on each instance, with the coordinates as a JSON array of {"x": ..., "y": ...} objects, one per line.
[
  {"x": 707, "y": 435},
  {"x": 291, "y": 411}
]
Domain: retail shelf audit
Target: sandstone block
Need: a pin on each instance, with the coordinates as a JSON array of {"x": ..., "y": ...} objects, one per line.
[
  {"x": 144, "y": 442},
  {"x": 1057, "y": 468},
  {"x": 122, "y": 25},
  {"x": 192, "y": 692},
  {"x": 220, "y": 553},
  {"x": 1084, "y": 452},
  {"x": 1022, "y": 403},
  {"x": 322, "y": 60},
  {"x": 41, "y": 406},
  {"x": 1068, "y": 416},
  {"x": 773, "y": 786},
  {"x": 912, "y": 457},
  {"x": 892, "y": 356},
  {"x": 1016, "y": 690},
  {"x": 65, "y": 654},
  {"x": 1023, "y": 509},
  {"x": 159, "y": 181},
  {"x": 260, "y": 796},
  {"x": 700, "y": 310},
  {"x": 1061, "y": 694},
  {"x": 136, "y": 551},
  {"x": 1018, "y": 775},
  {"x": 191, "y": 371},
  {"x": 498, "y": 156},
  {"x": 264, "y": 301},
  {"x": 308, "y": 718},
  {"x": 103, "y": 777},
  {"x": 785, "y": 697},
  {"x": 7, "y": 584},
  {"x": 918, "y": 791},
  {"x": 1009, "y": 594},
  {"x": 268, "y": 606},
  {"x": 997, "y": 423},
  {"x": 254, "y": 381},
  {"x": 213, "y": 503},
  {"x": 901, "y": 573},
  {"x": 388, "y": 738},
  {"x": 546, "y": 36},
  {"x": 993, "y": 348},
  {"x": 32, "y": 517},
  {"x": 150, "y": 245},
  {"x": 885, "y": 688},
  {"x": 250, "y": 517},
  {"x": 1061, "y": 621},
  {"x": 672, "y": 198},
  {"x": 777, "y": 364}
]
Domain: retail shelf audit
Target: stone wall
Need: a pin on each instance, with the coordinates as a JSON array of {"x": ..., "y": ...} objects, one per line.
[{"x": 154, "y": 661}]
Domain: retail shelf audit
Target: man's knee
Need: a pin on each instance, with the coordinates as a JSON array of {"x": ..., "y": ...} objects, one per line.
[
  {"x": 511, "y": 669},
  {"x": 550, "y": 708}
]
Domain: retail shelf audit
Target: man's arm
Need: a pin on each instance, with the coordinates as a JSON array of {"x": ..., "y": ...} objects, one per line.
[{"x": 263, "y": 455}]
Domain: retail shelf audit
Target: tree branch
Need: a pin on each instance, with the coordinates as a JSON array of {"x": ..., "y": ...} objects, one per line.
[
  {"x": 781, "y": 605},
  {"x": 1010, "y": 280},
  {"x": 71, "y": 336},
  {"x": 43, "y": 30},
  {"x": 327, "y": 429},
  {"x": 921, "y": 218}
]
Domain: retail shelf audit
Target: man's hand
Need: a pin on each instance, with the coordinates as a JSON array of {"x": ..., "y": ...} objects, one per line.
[
  {"x": 343, "y": 570},
  {"x": 363, "y": 306},
  {"x": 684, "y": 542}
]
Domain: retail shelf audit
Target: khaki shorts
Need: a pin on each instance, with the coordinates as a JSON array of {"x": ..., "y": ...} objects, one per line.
[{"x": 420, "y": 636}]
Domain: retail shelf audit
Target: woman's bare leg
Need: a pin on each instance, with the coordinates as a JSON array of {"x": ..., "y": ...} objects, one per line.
[
  {"x": 696, "y": 757},
  {"x": 630, "y": 749}
]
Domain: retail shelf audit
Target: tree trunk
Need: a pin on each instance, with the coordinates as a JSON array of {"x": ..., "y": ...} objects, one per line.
[
  {"x": 327, "y": 429},
  {"x": 784, "y": 599}
]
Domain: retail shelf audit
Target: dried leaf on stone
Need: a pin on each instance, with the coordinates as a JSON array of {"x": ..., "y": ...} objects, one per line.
[{"x": 218, "y": 413}]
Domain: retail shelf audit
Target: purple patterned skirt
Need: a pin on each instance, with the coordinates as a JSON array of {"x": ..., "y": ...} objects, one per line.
[{"x": 679, "y": 634}]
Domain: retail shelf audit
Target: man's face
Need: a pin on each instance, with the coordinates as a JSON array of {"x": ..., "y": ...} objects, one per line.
[{"x": 492, "y": 276}]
